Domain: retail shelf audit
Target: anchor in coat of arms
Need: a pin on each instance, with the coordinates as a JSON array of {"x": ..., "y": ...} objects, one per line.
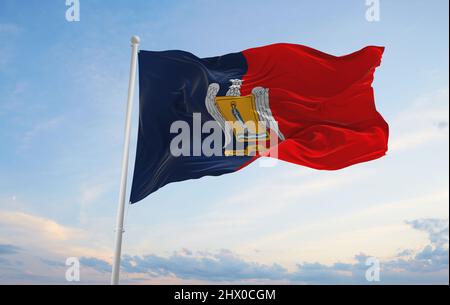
[{"x": 246, "y": 119}]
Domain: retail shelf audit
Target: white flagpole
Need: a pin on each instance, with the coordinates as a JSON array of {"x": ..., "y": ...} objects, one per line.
[{"x": 123, "y": 178}]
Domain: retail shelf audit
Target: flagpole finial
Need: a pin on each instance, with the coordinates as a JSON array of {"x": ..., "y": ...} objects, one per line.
[{"x": 135, "y": 40}]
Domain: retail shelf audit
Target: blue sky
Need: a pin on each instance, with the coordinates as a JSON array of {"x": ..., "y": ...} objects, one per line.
[{"x": 62, "y": 100}]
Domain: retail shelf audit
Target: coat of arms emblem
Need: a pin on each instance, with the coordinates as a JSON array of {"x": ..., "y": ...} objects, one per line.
[{"x": 247, "y": 120}]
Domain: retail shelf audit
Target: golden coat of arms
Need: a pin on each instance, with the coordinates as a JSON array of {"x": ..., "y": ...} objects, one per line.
[{"x": 246, "y": 119}]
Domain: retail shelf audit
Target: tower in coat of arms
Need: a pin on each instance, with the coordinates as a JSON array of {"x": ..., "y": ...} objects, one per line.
[{"x": 245, "y": 120}]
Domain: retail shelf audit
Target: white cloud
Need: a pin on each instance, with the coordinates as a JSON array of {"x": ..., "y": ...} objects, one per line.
[
  {"x": 90, "y": 194},
  {"x": 39, "y": 227},
  {"x": 45, "y": 235},
  {"x": 425, "y": 121},
  {"x": 38, "y": 129}
]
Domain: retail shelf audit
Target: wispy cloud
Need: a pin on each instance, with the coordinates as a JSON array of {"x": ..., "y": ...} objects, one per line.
[
  {"x": 90, "y": 193},
  {"x": 289, "y": 188},
  {"x": 9, "y": 28},
  {"x": 9, "y": 249},
  {"x": 425, "y": 121},
  {"x": 38, "y": 129},
  {"x": 36, "y": 227},
  {"x": 49, "y": 238},
  {"x": 6, "y": 49}
]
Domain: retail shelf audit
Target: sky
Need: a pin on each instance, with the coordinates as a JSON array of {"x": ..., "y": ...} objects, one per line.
[{"x": 63, "y": 88}]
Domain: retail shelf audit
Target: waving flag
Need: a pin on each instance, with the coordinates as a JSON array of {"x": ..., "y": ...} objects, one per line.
[{"x": 319, "y": 108}]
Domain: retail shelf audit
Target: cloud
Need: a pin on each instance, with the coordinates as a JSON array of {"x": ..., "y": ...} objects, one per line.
[
  {"x": 434, "y": 256},
  {"x": 39, "y": 227},
  {"x": 5, "y": 57},
  {"x": 417, "y": 138},
  {"x": 338, "y": 273},
  {"x": 90, "y": 193},
  {"x": 53, "y": 263},
  {"x": 38, "y": 129},
  {"x": 98, "y": 264},
  {"x": 9, "y": 249},
  {"x": 428, "y": 265},
  {"x": 426, "y": 121},
  {"x": 9, "y": 28},
  {"x": 48, "y": 237},
  {"x": 253, "y": 204},
  {"x": 442, "y": 124},
  {"x": 221, "y": 266},
  {"x": 7, "y": 50},
  {"x": 437, "y": 230}
]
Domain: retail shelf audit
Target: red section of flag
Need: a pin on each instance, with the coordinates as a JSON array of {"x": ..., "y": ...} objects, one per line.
[{"x": 324, "y": 104}]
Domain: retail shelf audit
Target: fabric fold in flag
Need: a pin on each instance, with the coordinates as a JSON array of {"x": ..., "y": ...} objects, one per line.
[{"x": 320, "y": 109}]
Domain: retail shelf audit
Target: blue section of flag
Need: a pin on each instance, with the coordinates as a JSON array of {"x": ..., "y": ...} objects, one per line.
[{"x": 173, "y": 86}]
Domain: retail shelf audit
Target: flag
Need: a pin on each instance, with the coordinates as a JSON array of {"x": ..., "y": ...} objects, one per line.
[{"x": 317, "y": 108}]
